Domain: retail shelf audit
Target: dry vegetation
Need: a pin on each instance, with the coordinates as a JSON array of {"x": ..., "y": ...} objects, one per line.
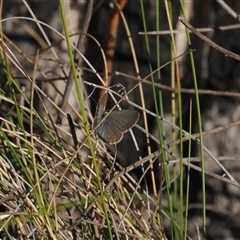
[{"x": 57, "y": 181}]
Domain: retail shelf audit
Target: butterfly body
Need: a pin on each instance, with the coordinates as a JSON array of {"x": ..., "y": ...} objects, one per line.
[{"x": 111, "y": 126}]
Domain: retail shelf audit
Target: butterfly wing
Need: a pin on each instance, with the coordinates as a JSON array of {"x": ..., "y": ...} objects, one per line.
[
  {"x": 108, "y": 132},
  {"x": 123, "y": 120},
  {"x": 111, "y": 128},
  {"x": 100, "y": 110}
]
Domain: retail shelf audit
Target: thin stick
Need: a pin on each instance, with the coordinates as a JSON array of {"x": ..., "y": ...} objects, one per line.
[
  {"x": 183, "y": 90},
  {"x": 167, "y": 32},
  {"x": 229, "y": 10},
  {"x": 207, "y": 40},
  {"x": 112, "y": 41}
]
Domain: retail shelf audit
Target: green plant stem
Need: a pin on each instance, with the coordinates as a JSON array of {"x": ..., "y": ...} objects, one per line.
[
  {"x": 160, "y": 126},
  {"x": 84, "y": 116},
  {"x": 200, "y": 129}
]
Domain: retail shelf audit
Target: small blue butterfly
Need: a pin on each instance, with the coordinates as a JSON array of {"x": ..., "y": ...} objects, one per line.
[{"x": 111, "y": 129}]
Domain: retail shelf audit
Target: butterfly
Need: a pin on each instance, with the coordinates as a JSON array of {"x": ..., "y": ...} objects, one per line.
[{"x": 112, "y": 127}]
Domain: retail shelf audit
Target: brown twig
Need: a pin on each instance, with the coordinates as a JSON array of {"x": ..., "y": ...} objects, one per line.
[
  {"x": 183, "y": 90},
  {"x": 112, "y": 40},
  {"x": 167, "y": 32},
  {"x": 229, "y": 10},
  {"x": 208, "y": 41}
]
